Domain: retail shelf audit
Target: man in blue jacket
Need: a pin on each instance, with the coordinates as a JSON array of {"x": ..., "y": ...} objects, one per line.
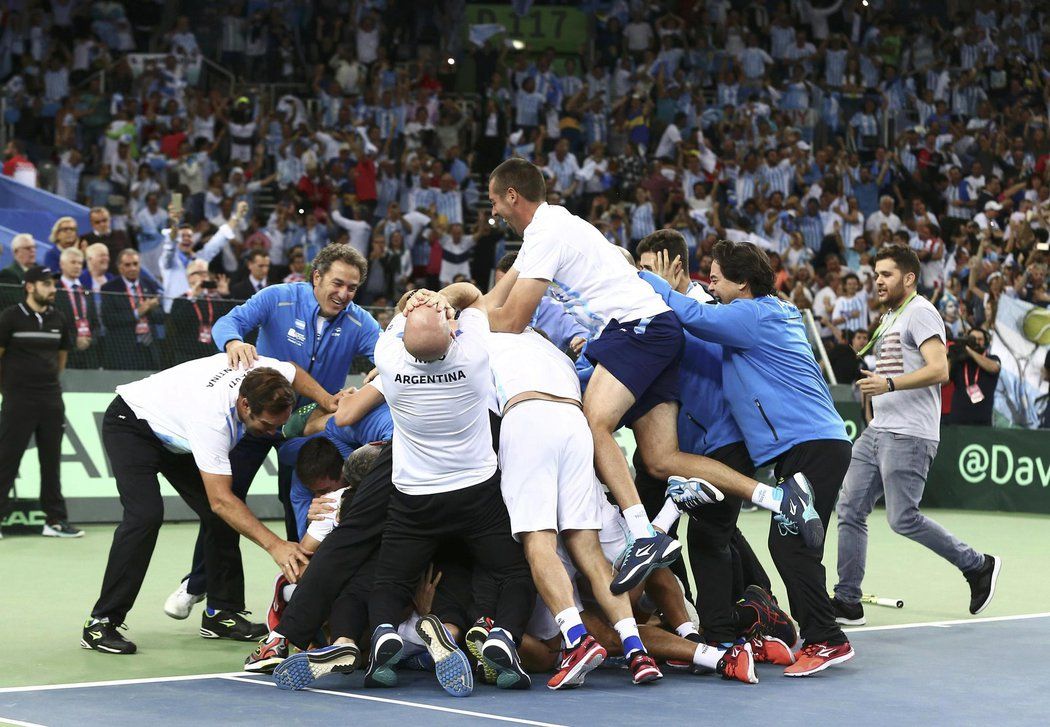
[
  {"x": 717, "y": 549},
  {"x": 315, "y": 325},
  {"x": 782, "y": 404}
]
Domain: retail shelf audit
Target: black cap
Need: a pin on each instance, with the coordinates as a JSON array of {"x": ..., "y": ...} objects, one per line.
[{"x": 39, "y": 273}]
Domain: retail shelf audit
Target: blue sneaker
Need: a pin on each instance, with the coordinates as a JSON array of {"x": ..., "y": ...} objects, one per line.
[
  {"x": 689, "y": 493},
  {"x": 450, "y": 663},
  {"x": 641, "y": 558},
  {"x": 417, "y": 662},
  {"x": 386, "y": 651},
  {"x": 798, "y": 516},
  {"x": 303, "y": 669},
  {"x": 500, "y": 654}
]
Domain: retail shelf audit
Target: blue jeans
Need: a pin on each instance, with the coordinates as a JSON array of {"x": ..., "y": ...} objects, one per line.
[{"x": 893, "y": 466}]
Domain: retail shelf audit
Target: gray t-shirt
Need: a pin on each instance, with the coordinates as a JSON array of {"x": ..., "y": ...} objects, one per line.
[{"x": 915, "y": 412}]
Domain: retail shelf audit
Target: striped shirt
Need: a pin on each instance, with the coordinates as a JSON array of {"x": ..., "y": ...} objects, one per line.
[
  {"x": 812, "y": 229},
  {"x": 966, "y": 98},
  {"x": 564, "y": 171},
  {"x": 778, "y": 178},
  {"x": 848, "y": 307},
  {"x": 967, "y": 56},
  {"x": 527, "y": 106},
  {"x": 450, "y": 204},
  {"x": 955, "y": 193},
  {"x": 835, "y": 67},
  {"x": 866, "y": 126},
  {"x": 753, "y": 62},
  {"x": 780, "y": 40},
  {"x": 642, "y": 222},
  {"x": 925, "y": 110},
  {"x": 728, "y": 94},
  {"x": 744, "y": 186}
]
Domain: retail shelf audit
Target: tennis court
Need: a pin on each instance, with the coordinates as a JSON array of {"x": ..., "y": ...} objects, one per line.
[{"x": 928, "y": 663}]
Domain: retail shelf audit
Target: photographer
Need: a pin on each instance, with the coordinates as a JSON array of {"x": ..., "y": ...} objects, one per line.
[{"x": 975, "y": 375}]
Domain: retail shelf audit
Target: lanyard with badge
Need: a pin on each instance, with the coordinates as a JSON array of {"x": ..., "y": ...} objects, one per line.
[
  {"x": 142, "y": 326},
  {"x": 887, "y": 322},
  {"x": 972, "y": 389},
  {"x": 204, "y": 329},
  {"x": 83, "y": 328}
]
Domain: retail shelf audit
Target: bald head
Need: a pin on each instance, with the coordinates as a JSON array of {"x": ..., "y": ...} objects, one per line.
[
  {"x": 426, "y": 334},
  {"x": 359, "y": 463}
]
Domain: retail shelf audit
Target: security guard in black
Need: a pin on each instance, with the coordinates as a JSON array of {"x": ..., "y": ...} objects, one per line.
[{"x": 34, "y": 344}]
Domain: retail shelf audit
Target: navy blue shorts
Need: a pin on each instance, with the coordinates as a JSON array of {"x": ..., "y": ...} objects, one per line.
[{"x": 643, "y": 356}]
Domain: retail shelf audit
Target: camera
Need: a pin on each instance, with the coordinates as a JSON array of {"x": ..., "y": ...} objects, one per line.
[
  {"x": 209, "y": 285},
  {"x": 957, "y": 353}
]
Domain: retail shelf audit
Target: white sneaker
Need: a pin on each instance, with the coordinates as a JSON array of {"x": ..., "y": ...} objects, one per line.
[
  {"x": 179, "y": 604},
  {"x": 61, "y": 529}
]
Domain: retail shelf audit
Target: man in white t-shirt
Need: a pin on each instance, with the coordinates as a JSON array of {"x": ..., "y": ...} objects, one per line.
[
  {"x": 636, "y": 341},
  {"x": 182, "y": 423},
  {"x": 437, "y": 383},
  {"x": 546, "y": 455}
]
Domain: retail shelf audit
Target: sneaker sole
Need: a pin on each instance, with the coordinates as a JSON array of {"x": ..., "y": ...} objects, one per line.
[
  {"x": 639, "y": 573},
  {"x": 264, "y": 666},
  {"x": 593, "y": 659},
  {"x": 209, "y": 634},
  {"x": 647, "y": 676},
  {"x": 62, "y": 535},
  {"x": 843, "y": 621},
  {"x": 822, "y": 667},
  {"x": 381, "y": 672},
  {"x": 998, "y": 564},
  {"x": 508, "y": 674},
  {"x": 475, "y": 639},
  {"x": 104, "y": 649},
  {"x": 180, "y": 615},
  {"x": 299, "y": 671},
  {"x": 450, "y": 664}
]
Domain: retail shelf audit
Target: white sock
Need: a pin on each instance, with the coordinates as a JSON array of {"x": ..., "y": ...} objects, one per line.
[
  {"x": 628, "y": 631},
  {"x": 685, "y": 629},
  {"x": 768, "y": 497},
  {"x": 571, "y": 626},
  {"x": 287, "y": 591},
  {"x": 638, "y": 522},
  {"x": 667, "y": 517},
  {"x": 707, "y": 656}
]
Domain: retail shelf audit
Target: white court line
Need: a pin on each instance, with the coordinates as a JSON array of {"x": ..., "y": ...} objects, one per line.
[
  {"x": 403, "y": 703},
  {"x": 118, "y": 682},
  {"x": 946, "y": 624},
  {"x": 19, "y": 723}
]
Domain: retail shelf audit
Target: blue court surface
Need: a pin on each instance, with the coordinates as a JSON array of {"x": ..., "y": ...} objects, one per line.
[{"x": 973, "y": 672}]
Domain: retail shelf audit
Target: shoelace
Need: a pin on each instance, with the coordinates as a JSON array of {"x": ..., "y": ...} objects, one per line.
[{"x": 786, "y": 526}]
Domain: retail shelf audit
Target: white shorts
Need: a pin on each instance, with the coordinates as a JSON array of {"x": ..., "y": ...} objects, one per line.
[
  {"x": 546, "y": 456},
  {"x": 613, "y": 537}
]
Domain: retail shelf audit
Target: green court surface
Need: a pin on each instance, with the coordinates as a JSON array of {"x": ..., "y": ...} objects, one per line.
[{"x": 50, "y": 585}]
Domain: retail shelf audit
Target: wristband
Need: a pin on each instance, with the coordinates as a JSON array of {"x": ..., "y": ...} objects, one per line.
[{"x": 889, "y": 383}]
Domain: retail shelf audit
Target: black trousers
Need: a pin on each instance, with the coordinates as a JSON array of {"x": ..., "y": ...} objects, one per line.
[
  {"x": 477, "y": 518},
  {"x": 336, "y": 583},
  {"x": 824, "y": 462},
  {"x": 137, "y": 457},
  {"x": 20, "y": 418},
  {"x": 245, "y": 460},
  {"x": 716, "y": 563}
]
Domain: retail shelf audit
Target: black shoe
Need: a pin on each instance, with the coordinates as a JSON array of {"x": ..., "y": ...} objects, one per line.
[
  {"x": 982, "y": 583},
  {"x": 231, "y": 625},
  {"x": 61, "y": 529},
  {"x": 848, "y": 614},
  {"x": 770, "y": 618},
  {"x": 105, "y": 637}
]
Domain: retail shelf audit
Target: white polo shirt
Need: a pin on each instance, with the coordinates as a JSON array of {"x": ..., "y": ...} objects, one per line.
[
  {"x": 442, "y": 438},
  {"x": 588, "y": 274},
  {"x": 192, "y": 407},
  {"x": 529, "y": 362},
  {"x": 319, "y": 529}
]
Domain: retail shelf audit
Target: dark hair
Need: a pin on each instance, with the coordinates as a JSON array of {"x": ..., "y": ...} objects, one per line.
[
  {"x": 903, "y": 257},
  {"x": 255, "y": 255},
  {"x": 330, "y": 254},
  {"x": 745, "y": 262},
  {"x": 360, "y": 463},
  {"x": 318, "y": 460},
  {"x": 849, "y": 275},
  {"x": 267, "y": 391},
  {"x": 522, "y": 176},
  {"x": 506, "y": 262},
  {"x": 670, "y": 240}
]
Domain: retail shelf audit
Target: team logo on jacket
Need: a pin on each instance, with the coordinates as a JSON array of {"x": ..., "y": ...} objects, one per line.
[
  {"x": 296, "y": 337},
  {"x": 337, "y": 331}
]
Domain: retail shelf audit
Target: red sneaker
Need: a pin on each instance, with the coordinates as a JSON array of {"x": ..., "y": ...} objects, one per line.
[
  {"x": 818, "y": 657},
  {"x": 738, "y": 663},
  {"x": 644, "y": 669},
  {"x": 582, "y": 659},
  {"x": 273, "y": 614},
  {"x": 771, "y": 650}
]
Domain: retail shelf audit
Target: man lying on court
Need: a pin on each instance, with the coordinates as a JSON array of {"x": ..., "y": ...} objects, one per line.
[{"x": 182, "y": 423}]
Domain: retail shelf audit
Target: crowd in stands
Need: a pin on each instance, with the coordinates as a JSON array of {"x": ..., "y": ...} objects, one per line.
[{"x": 818, "y": 129}]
